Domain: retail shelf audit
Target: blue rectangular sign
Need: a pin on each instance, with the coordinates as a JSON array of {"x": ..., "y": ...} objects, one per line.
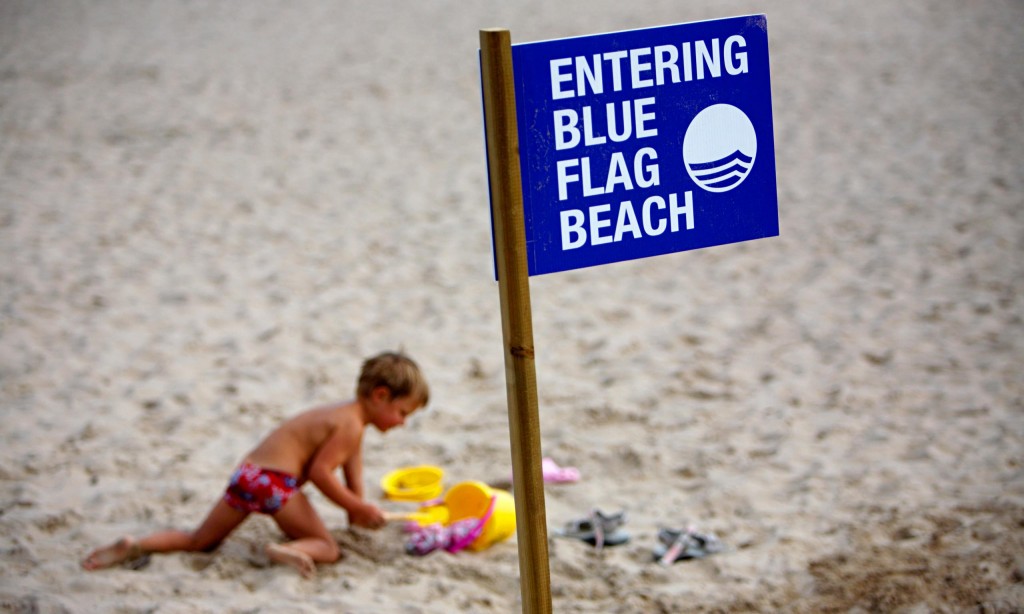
[{"x": 645, "y": 142}]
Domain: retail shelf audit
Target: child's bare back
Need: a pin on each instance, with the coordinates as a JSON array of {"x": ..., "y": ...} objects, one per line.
[{"x": 293, "y": 445}]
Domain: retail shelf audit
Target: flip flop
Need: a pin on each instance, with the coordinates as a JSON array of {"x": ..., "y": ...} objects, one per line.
[
  {"x": 682, "y": 544},
  {"x": 598, "y": 529},
  {"x": 554, "y": 474},
  {"x": 558, "y": 475}
]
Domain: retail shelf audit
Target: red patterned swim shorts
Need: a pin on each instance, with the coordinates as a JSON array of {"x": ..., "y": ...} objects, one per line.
[{"x": 255, "y": 489}]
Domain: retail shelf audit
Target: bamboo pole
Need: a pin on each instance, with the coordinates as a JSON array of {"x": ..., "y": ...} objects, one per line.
[{"x": 516, "y": 320}]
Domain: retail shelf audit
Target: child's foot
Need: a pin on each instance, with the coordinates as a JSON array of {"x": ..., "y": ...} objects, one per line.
[
  {"x": 300, "y": 561},
  {"x": 108, "y": 556}
]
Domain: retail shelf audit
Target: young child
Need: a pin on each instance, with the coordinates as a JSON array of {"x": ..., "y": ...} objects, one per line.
[{"x": 308, "y": 447}]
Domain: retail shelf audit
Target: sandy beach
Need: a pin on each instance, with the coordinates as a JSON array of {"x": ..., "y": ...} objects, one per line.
[{"x": 210, "y": 214}]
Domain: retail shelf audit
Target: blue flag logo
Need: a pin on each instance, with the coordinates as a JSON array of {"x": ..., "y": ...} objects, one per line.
[{"x": 719, "y": 148}]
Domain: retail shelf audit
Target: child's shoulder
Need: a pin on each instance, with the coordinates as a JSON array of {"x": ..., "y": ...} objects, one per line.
[
  {"x": 343, "y": 414},
  {"x": 321, "y": 415}
]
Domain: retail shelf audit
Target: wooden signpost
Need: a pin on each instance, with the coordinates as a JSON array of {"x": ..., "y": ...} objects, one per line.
[{"x": 516, "y": 318}]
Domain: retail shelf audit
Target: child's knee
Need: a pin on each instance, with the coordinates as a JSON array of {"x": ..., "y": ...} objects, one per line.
[{"x": 333, "y": 551}]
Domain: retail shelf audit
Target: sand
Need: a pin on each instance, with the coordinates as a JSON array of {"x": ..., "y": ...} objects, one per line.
[{"x": 210, "y": 214}]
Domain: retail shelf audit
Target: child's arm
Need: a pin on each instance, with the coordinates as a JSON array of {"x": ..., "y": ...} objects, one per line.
[
  {"x": 339, "y": 449},
  {"x": 353, "y": 469}
]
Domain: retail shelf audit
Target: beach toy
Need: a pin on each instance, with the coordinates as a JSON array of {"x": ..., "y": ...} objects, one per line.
[
  {"x": 428, "y": 514},
  {"x": 431, "y": 514},
  {"x": 420, "y": 483},
  {"x": 476, "y": 500}
]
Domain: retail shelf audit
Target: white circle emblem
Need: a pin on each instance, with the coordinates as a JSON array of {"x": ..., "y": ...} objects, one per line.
[{"x": 719, "y": 148}]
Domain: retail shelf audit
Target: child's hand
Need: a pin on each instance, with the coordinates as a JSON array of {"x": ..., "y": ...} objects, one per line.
[{"x": 368, "y": 516}]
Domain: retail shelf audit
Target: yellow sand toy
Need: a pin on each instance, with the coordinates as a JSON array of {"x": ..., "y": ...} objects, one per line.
[
  {"x": 495, "y": 509},
  {"x": 420, "y": 484},
  {"x": 426, "y": 515},
  {"x": 471, "y": 516},
  {"x": 480, "y": 514}
]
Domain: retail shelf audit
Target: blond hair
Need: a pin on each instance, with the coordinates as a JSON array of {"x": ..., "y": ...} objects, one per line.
[{"x": 396, "y": 372}]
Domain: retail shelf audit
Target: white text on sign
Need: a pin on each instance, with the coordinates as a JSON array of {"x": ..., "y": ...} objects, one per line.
[
  {"x": 648, "y": 66},
  {"x": 620, "y": 122},
  {"x": 653, "y": 221}
]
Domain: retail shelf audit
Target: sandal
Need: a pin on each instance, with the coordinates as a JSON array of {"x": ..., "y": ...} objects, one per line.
[
  {"x": 598, "y": 529},
  {"x": 679, "y": 545},
  {"x": 558, "y": 475},
  {"x": 552, "y": 473}
]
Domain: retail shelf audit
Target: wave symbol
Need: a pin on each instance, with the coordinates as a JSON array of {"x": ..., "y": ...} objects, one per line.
[{"x": 720, "y": 175}]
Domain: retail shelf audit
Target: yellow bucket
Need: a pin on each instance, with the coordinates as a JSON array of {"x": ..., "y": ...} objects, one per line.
[
  {"x": 413, "y": 483},
  {"x": 471, "y": 500}
]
